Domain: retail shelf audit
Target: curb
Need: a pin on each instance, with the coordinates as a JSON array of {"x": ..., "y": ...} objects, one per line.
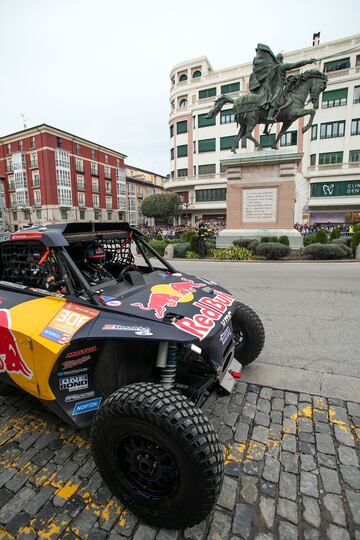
[
  {"x": 311, "y": 261},
  {"x": 302, "y": 380}
]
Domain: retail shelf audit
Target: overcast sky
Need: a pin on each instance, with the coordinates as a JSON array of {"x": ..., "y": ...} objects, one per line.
[{"x": 100, "y": 68}]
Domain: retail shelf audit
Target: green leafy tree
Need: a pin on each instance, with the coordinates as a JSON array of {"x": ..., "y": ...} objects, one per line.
[{"x": 163, "y": 206}]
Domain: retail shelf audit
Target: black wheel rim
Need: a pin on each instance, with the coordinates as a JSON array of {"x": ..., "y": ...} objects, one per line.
[
  {"x": 147, "y": 467},
  {"x": 239, "y": 335}
]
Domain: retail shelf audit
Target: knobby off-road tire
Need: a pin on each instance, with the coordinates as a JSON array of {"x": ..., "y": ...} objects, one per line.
[
  {"x": 159, "y": 454},
  {"x": 249, "y": 334}
]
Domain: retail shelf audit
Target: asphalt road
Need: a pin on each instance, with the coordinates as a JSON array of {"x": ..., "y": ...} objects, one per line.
[{"x": 310, "y": 311}]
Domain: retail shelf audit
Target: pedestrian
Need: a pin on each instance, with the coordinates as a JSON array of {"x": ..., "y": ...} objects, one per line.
[{"x": 203, "y": 234}]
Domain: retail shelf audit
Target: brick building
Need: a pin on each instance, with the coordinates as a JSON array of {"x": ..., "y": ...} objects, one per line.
[
  {"x": 51, "y": 175},
  {"x": 141, "y": 184}
]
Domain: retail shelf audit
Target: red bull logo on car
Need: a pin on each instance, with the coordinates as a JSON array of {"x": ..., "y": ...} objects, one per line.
[
  {"x": 11, "y": 360},
  {"x": 211, "y": 310},
  {"x": 169, "y": 295}
]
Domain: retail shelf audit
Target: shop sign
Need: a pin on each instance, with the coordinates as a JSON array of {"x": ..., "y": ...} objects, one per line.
[{"x": 335, "y": 189}]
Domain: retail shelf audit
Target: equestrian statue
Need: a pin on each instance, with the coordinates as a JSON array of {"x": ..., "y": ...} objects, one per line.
[{"x": 273, "y": 97}]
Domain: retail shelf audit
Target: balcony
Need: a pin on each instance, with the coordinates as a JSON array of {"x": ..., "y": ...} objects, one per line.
[
  {"x": 331, "y": 169},
  {"x": 34, "y": 164},
  {"x": 79, "y": 168},
  {"x": 108, "y": 175},
  {"x": 82, "y": 204},
  {"x": 94, "y": 172},
  {"x": 198, "y": 179}
]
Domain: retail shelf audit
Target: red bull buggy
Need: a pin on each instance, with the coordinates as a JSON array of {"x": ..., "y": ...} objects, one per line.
[{"x": 107, "y": 334}]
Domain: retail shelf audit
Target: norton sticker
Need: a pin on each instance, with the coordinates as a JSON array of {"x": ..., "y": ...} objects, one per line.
[
  {"x": 67, "y": 322},
  {"x": 11, "y": 360},
  {"x": 169, "y": 295}
]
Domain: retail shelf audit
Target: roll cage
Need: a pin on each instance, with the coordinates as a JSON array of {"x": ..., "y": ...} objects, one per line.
[{"x": 30, "y": 256}]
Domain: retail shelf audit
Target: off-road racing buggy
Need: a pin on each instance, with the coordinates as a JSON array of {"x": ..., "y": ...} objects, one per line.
[{"x": 106, "y": 333}]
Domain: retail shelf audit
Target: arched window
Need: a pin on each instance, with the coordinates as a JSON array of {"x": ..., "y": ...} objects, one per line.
[
  {"x": 196, "y": 74},
  {"x": 183, "y": 77},
  {"x": 183, "y": 102}
]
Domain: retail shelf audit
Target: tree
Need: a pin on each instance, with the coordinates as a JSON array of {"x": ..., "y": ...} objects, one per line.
[{"x": 162, "y": 206}]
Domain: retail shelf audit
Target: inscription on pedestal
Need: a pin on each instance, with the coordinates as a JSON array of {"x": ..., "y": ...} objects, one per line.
[{"x": 259, "y": 205}]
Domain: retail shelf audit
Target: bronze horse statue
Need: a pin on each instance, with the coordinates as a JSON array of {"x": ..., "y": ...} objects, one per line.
[{"x": 248, "y": 112}]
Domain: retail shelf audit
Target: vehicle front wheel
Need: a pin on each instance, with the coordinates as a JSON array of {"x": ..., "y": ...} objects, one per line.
[
  {"x": 159, "y": 454},
  {"x": 249, "y": 334}
]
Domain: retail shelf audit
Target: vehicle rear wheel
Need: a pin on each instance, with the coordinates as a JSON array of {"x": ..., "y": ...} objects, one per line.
[
  {"x": 249, "y": 334},
  {"x": 159, "y": 454}
]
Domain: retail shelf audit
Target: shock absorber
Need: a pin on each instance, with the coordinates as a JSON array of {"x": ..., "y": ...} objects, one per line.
[{"x": 166, "y": 362}]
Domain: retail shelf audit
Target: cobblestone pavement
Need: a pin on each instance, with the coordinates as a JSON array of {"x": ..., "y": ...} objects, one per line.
[{"x": 292, "y": 471}]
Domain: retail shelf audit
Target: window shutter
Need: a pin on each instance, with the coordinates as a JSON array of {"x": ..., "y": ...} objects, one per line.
[
  {"x": 203, "y": 121},
  {"x": 181, "y": 127},
  {"x": 226, "y": 143},
  {"x": 182, "y": 150},
  {"x": 209, "y": 92},
  {"x": 229, "y": 88},
  {"x": 342, "y": 63},
  {"x": 267, "y": 140},
  {"x": 335, "y": 94},
  {"x": 207, "y": 145}
]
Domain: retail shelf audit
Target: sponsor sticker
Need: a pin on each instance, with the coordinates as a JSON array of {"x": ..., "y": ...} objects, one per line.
[
  {"x": 113, "y": 303},
  {"x": 138, "y": 330},
  {"x": 224, "y": 336},
  {"x": 211, "y": 310},
  {"x": 72, "y": 372},
  {"x": 226, "y": 319},
  {"x": 45, "y": 292},
  {"x": 11, "y": 360},
  {"x": 169, "y": 295},
  {"x": 27, "y": 236},
  {"x": 78, "y": 382},
  {"x": 207, "y": 281},
  {"x": 77, "y": 397},
  {"x": 68, "y": 321},
  {"x": 76, "y": 362},
  {"x": 107, "y": 298},
  {"x": 80, "y": 352},
  {"x": 86, "y": 406}
]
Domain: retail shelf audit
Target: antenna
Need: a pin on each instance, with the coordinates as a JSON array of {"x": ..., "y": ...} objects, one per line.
[{"x": 23, "y": 120}]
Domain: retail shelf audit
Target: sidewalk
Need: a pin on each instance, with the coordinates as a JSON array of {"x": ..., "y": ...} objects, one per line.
[{"x": 292, "y": 471}]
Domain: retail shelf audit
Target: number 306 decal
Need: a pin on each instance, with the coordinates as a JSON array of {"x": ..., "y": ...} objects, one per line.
[{"x": 67, "y": 322}]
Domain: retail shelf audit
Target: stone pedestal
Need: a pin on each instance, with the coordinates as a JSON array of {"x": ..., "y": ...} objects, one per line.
[{"x": 261, "y": 196}]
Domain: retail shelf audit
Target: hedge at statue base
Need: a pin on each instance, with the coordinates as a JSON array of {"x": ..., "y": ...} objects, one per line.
[
  {"x": 235, "y": 253},
  {"x": 272, "y": 250},
  {"x": 325, "y": 251},
  {"x": 226, "y": 237}
]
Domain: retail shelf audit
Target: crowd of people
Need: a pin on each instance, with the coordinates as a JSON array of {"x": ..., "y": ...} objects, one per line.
[
  {"x": 307, "y": 228},
  {"x": 171, "y": 232}
]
